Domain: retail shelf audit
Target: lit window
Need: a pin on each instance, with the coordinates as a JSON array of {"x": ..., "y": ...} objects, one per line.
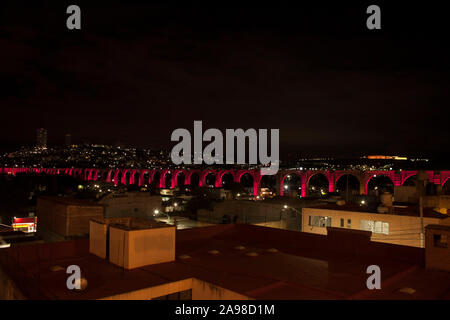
[
  {"x": 375, "y": 226},
  {"x": 319, "y": 221}
]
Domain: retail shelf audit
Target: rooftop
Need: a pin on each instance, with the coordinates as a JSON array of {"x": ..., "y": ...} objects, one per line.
[
  {"x": 438, "y": 227},
  {"x": 71, "y": 201},
  {"x": 403, "y": 210},
  {"x": 259, "y": 262}
]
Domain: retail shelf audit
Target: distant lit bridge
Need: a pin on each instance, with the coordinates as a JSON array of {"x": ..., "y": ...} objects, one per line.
[{"x": 185, "y": 176}]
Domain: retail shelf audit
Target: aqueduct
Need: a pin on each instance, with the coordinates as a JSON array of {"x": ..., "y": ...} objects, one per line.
[{"x": 127, "y": 176}]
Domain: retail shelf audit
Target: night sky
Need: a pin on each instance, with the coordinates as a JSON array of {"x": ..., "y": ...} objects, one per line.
[{"x": 136, "y": 72}]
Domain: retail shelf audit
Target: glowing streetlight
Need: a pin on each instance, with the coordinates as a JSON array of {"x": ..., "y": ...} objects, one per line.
[
  {"x": 285, "y": 206},
  {"x": 156, "y": 211}
]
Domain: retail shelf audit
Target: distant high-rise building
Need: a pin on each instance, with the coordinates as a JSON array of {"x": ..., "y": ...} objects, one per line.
[
  {"x": 41, "y": 138},
  {"x": 68, "y": 139}
]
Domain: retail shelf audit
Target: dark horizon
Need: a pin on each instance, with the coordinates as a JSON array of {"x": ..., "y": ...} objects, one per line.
[{"x": 136, "y": 72}]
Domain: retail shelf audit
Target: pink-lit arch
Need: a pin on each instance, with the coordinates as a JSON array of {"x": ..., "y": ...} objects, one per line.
[{"x": 373, "y": 174}]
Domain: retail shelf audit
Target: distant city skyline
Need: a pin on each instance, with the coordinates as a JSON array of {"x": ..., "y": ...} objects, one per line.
[{"x": 315, "y": 72}]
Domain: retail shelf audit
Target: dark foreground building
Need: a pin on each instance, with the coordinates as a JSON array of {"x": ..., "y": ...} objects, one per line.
[{"x": 235, "y": 261}]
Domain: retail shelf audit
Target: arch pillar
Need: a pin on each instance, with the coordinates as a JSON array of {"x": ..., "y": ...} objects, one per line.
[
  {"x": 203, "y": 176},
  {"x": 304, "y": 185},
  {"x": 331, "y": 181},
  {"x": 173, "y": 181},
  {"x": 396, "y": 179},
  {"x": 116, "y": 177},
  {"x": 278, "y": 179},
  {"x": 362, "y": 187},
  {"x": 256, "y": 183},
  {"x": 162, "y": 178}
]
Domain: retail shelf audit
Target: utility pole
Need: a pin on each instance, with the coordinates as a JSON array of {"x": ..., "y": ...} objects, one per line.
[
  {"x": 346, "y": 191},
  {"x": 421, "y": 223}
]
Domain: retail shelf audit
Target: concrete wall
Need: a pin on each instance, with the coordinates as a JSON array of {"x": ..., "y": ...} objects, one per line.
[
  {"x": 66, "y": 219},
  {"x": 78, "y": 218},
  {"x": 436, "y": 201},
  {"x": 98, "y": 238},
  {"x": 407, "y": 194},
  {"x": 131, "y": 204},
  {"x": 154, "y": 292},
  {"x": 136, "y": 248},
  {"x": 437, "y": 257},
  {"x": 98, "y": 234},
  {"x": 201, "y": 290},
  {"x": 403, "y": 230},
  {"x": 246, "y": 211},
  {"x": 51, "y": 215}
]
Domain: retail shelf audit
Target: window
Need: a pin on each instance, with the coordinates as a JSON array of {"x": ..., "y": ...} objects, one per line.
[
  {"x": 342, "y": 223},
  {"x": 385, "y": 228},
  {"x": 374, "y": 226},
  {"x": 440, "y": 240},
  {"x": 366, "y": 225},
  {"x": 349, "y": 223},
  {"x": 319, "y": 221}
]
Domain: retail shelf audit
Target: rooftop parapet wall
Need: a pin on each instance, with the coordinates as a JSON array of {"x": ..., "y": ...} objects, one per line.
[
  {"x": 437, "y": 253},
  {"x": 136, "y": 247},
  {"x": 100, "y": 235}
]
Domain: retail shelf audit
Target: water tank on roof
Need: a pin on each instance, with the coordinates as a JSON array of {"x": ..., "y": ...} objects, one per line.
[{"x": 386, "y": 199}]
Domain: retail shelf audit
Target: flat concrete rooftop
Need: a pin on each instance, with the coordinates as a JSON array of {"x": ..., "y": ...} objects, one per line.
[
  {"x": 407, "y": 210},
  {"x": 258, "y": 262}
]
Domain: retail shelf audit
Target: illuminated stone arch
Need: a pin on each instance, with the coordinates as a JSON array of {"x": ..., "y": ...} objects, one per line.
[
  {"x": 142, "y": 180},
  {"x": 396, "y": 180},
  {"x": 135, "y": 173},
  {"x": 175, "y": 177},
  {"x": 255, "y": 174},
  {"x": 162, "y": 178},
  {"x": 189, "y": 174},
  {"x": 446, "y": 185},
  {"x": 353, "y": 174},
  {"x": 405, "y": 175},
  {"x": 118, "y": 176},
  {"x": 221, "y": 174},
  {"x": 205, "y": 173},
  {"x": 315, "y": 173},
  {"x": 298, "y": 174}
]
